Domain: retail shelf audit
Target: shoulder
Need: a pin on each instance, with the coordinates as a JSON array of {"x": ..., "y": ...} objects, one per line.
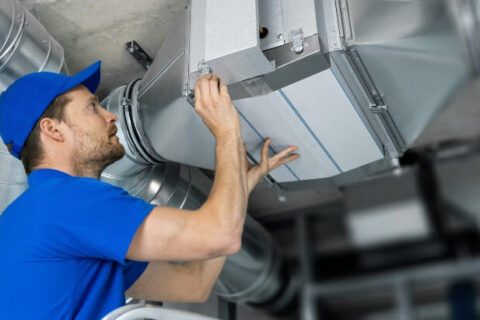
[
  {"x": 92, "y": 185},
  {"x": 77, "y": 192}
]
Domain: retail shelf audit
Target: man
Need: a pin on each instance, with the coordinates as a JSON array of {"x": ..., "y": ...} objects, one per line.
[{"x": 71, "y": 245}]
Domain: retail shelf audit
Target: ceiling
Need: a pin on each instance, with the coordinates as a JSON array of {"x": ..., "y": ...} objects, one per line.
[{"x": 98, "y": 29}]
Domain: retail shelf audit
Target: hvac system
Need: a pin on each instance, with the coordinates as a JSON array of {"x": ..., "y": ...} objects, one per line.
[{"x": 351, "y": 82}]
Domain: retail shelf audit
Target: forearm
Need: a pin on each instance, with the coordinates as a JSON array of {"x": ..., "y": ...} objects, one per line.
[
  {"x": 207, "y": 272},
  {"x": 229, "y": 194},
  {"x": 190, "y": 282}
]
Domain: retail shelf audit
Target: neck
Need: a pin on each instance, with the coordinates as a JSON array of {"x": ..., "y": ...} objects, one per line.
[
  {"x": 74, "y": 168},
  {"x": 82, "y": 170}
]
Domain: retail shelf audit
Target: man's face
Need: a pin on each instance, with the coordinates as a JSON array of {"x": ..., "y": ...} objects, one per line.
[{"x": 91, "y": 131}]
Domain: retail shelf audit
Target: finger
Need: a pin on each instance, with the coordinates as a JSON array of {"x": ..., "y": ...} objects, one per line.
[
  {"x": 283, "y": 153},
  {"x": 265, "y": 147},
  {"x": 214, "y": 87},
  {"x": 286, "y": 160},
  {"x": 223, "y": 89},
  {"x": 198, "y": 97},
  {"x": 206, "y": 76},
  {"x": 205, "y": 89}
]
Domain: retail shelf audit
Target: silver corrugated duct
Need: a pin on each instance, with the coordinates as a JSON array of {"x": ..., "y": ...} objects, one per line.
[
  {"x": 254, "y": 274},
  {"x": 25, "y": 46}
]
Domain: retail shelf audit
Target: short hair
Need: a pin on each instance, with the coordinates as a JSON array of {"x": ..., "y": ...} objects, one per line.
[{"x": 32, "y": 152}]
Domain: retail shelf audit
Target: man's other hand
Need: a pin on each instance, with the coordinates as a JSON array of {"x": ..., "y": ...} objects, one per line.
[
  {"x": 215, "y": 107},
  {"x": 256, "y": 172}
]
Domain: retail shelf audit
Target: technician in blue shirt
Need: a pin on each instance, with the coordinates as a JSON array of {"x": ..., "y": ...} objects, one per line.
[{"x": 71, "y": 246}]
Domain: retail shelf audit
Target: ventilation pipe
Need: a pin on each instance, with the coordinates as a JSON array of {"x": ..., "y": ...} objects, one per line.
[
  {"x": 252, "y": 275},
  {"x": 256, "y": 274},
  {"x": 25, "y": 46},
  {"x": 347, "y": 80}
]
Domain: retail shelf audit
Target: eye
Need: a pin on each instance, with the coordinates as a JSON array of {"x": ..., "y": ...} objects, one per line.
[{"x": 92, "y": 106}]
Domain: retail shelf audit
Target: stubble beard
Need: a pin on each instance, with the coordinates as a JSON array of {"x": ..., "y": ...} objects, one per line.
[{"x": 94, "y": 153}]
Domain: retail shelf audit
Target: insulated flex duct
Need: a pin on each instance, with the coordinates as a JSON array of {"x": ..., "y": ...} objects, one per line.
[
  {"x": 348, "y": 81},
  {"x": 25, "y": 46}
]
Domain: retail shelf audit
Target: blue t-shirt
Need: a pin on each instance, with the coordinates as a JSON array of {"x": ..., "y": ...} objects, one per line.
[{"x": 62, "y": 248}]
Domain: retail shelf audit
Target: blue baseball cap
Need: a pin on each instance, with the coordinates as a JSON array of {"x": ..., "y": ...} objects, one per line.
[{"x": 22, "y": 104}]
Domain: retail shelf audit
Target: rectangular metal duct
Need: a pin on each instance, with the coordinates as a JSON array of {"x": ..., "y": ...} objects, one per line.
[{"x": 348, "y": 81}]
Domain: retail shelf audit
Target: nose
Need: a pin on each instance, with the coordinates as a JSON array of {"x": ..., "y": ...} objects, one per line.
[{"x": 109, "y": 116}]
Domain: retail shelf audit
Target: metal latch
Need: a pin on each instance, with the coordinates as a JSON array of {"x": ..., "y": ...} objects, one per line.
[
  {"x": 125, "y": 103},
  {"x": 296, "y": 37},
  {"x": 203, "y": 68}
]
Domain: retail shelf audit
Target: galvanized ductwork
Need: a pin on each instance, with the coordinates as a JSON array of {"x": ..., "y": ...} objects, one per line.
[
  {"x": 347, "y": 80},
  {"x": 25, "y": 46},
  {"x": 254, "y": 275}
]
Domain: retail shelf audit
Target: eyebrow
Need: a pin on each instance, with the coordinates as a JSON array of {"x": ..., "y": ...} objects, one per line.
[{"x": 94, "y": 99}]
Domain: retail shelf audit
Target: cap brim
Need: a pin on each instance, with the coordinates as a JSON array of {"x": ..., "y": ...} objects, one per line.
[{"x": 89, "y": 77}]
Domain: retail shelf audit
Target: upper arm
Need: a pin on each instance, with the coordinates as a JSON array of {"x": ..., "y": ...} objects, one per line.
[{"x": 169, "y": 234}]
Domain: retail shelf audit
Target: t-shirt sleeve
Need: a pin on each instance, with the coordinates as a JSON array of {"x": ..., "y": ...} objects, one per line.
[
  {"x": 94, "y": 219},
  {"x": 132, "y": 270}
]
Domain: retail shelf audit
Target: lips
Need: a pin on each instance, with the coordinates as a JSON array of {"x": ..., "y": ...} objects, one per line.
[{"x": 112, "y": 131}]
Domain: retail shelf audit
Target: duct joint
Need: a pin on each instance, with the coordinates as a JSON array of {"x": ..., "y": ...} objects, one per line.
[
  {"x": 128, "y": 102},
  {"x": 395, "y": 142}
]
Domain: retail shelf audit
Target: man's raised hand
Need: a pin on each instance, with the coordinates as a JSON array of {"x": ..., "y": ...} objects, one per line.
[
  {"x": 215, "y": 107},
  {"x": 256, "y": 172}
]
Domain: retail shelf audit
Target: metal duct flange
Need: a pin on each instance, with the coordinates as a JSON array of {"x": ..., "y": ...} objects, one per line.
[
  {"x": 25, "y": 45},
  {"x": 119, "y": 103}
]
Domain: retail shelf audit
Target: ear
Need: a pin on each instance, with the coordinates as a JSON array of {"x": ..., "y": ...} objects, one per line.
[{"x": 51, "y": 128}]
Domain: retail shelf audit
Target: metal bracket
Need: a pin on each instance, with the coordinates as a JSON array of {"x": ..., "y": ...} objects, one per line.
[
  {"x": 139, "y": 54},
  {"x": 296, "y": 37}
]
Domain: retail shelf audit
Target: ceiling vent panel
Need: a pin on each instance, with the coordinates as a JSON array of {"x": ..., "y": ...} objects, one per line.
[{"x": 316, "y": 115}]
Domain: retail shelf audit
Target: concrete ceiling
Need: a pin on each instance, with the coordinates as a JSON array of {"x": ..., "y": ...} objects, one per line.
[
  {"x": 92, "y": 30},
  {"x": 98, "y": 29}
]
